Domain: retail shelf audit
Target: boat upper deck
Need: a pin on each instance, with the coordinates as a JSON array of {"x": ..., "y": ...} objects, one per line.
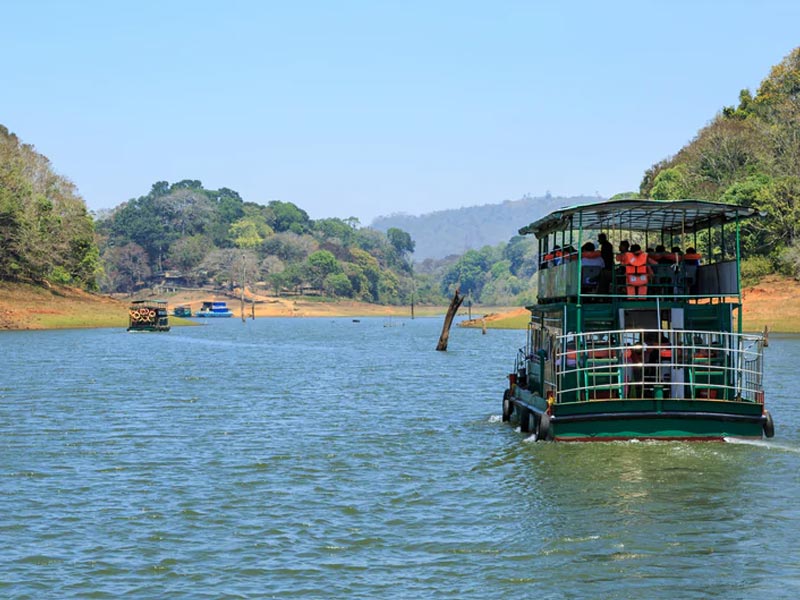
[{"x": 681, "y": 249}]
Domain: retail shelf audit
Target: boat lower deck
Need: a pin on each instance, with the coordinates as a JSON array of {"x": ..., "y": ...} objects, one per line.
[{"x": 625, "y": 419}]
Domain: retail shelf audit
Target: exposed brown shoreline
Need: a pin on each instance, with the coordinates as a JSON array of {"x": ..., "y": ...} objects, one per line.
[
  {"x": 774, "y": 302},
  {"x": 24, "y": 306}
]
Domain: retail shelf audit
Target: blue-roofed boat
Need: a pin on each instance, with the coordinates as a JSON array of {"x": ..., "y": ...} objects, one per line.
[{"x": 214, "y": 309}]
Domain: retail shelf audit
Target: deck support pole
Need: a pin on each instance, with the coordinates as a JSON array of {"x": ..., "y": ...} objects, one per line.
[{"x": 455, "y": 304}]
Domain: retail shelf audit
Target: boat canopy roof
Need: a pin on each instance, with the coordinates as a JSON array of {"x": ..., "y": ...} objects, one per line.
[{"x": 669, "y": 216}]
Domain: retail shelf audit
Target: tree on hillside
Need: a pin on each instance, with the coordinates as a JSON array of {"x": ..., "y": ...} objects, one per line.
[
  {"x": 335, "y": 229},
  {"x": 400, "y": 240},
  {"x": 249, "y": 232},
  {"x": 47, "y": 233},
  {"x": 321, "y": 264},
  {"x": 468, "y": 274},
  {"x": 288, "y": 217},
  {"x": 188, "y": 252},
  {"x": 126, "y": 267}
]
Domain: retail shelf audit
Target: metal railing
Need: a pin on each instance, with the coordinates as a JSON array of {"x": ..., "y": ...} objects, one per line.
[{"x": 659, "y": 364}]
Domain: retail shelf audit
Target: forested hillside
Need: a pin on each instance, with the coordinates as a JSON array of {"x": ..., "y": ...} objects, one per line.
[
  {"x": 748, "y": 154},
  {"x": 448, "y": 232},
  {"x": 197, "y": 236},
  {"x": 46, "y": 234}
]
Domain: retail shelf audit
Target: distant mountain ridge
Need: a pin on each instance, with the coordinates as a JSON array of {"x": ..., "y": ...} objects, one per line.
[{"x": 447, "y": 232}]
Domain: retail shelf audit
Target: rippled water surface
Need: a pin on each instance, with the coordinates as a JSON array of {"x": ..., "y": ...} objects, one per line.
[{"x": 319, "y": 458}]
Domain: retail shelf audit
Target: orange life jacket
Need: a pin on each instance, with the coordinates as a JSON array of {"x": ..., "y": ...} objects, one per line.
[
  {"x": 692, "y": 259},
  {"x": 636, "y": 269}
]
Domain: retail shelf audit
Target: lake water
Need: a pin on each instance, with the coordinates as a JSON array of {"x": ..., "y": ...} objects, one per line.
[{"x": 322, "y": 458}]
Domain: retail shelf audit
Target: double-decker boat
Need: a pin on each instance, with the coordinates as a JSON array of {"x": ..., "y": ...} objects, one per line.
[
  {"x": 638, "y": 344},
  {"x": 148, "y": 315}
]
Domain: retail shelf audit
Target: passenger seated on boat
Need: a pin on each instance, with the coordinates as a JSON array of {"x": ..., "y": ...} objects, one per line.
[
  {"x": 624, "y": 248},
  {"x": 591, "y": 257},
  {"x": 691, "y": 262},
  {"x": 692, "y": 257},
  {"x": 637, "y": 271},
  {"x": 661, "y": 256},
  {"x": 572, "y": 356},
  {"x": 552, "y": 258},
  {"x": 549, "y": 257},
  {"x": 635, "y": 371},
  {"x": 657, "y": 352},
  {"x": 619, "y": 272}
]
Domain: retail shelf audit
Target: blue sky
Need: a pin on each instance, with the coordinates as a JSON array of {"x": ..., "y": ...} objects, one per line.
[{"x": 369, "y": 108}]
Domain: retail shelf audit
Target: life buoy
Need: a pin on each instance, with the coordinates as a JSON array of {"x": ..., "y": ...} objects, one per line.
[
  {"x": 769, "y": 425},
  {"x": 508, "y": 407},
  {"x": 543, "y": 428},
  {"x": 152, "y": 314}
]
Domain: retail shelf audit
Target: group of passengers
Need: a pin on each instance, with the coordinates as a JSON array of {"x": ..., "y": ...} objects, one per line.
[{"x": 634, "y": 265}]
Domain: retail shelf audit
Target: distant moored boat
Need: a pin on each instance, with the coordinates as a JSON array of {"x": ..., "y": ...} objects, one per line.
[
  {"x": 214, "y": 309},
  {"x": 182, "y": 311}
]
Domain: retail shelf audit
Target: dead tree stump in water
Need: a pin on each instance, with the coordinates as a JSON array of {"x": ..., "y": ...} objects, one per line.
[{"x": 455, "y": 304}]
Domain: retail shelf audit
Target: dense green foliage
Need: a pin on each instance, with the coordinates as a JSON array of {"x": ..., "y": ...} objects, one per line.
[
  {"x": 45, "y": 231},
  {"x": 750, "y": 155},
  {"x": 199, "y": 236}
]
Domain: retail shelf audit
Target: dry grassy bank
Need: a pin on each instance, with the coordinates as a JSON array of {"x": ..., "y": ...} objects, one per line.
[
  {"x": 774, "y": 302},
  {"x": 24, "y": 306}
]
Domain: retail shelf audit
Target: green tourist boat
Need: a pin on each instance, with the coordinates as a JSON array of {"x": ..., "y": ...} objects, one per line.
[{"x": 643, "y": 342}]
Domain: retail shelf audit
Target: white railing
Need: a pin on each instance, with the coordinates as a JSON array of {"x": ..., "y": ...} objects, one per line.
[{"x": 660, "y": 364}]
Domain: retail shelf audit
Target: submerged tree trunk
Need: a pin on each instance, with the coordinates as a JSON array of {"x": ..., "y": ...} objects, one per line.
[{"x": 455, "y": 304}]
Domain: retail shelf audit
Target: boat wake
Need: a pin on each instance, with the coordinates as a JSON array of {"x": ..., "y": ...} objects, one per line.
[{"x": 763, "y": 444}]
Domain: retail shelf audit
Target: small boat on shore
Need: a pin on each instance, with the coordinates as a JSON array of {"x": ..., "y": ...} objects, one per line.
[
  {"x": 214, "y": 309},
  {"x": 182, "y": 311},
  {"x": 644, "y": 345},
  {"x": 148, "y": 315}
]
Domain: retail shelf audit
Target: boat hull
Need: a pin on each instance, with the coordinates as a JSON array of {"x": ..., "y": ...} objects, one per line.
[{"x": 642, "y": 419}]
